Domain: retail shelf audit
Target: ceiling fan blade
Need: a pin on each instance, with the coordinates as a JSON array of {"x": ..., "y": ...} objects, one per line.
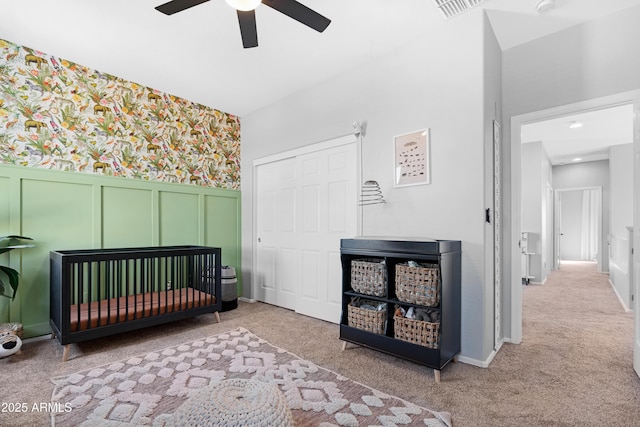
[
  {"x": 247, "y": 21},
  {"x": 300, "y": 13},
  {"x": 176, "y": 6}
]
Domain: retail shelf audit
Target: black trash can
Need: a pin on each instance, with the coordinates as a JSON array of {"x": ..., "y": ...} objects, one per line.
[{"x": 229, "y": 288}]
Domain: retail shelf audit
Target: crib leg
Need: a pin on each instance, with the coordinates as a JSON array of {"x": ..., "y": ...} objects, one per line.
[
  {"x": 217, "y": 316},
  {"x": 65, "y": 355}
]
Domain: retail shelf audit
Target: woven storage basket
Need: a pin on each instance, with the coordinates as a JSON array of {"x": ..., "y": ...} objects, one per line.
[
  {"x": 418, "y": 285},
  {"x": 369, "y": 276},
  {"x": 365, "y": 318},
  {"x": 426, "y": 334}
]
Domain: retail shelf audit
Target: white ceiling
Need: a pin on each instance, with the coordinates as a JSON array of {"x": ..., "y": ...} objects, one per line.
[
  {"x": 601, "y": 129},
  {"x": 197, "y": 54}
]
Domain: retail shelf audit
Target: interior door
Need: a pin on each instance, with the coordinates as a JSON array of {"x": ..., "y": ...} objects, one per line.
[
  {"x": 636, "y": 233},
  {"x": 549, "y": 260},
  {"x": 276, "y": 246},
  {"x": 328, "y": 200},
  {"x": 304, "y": 205},
  {"x": 558, "y": 229}
]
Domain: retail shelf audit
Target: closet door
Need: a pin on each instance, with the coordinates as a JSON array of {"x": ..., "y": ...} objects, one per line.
[
  {"x": 276, "y": 246},
  {"x": 304, "y": 205},
  {"x": 328, "y": 201}
]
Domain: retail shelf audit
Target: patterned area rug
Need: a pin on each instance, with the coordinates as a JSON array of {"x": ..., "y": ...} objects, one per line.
[{"x": 151, "y": 389}]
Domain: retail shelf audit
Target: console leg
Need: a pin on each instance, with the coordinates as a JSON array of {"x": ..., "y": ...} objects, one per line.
[
  {"x": 344, "y": 345},
  {"x": 436, "y": 374},
  {"x": 217, "y": 316},
  {"x": 65, "y": 355}
]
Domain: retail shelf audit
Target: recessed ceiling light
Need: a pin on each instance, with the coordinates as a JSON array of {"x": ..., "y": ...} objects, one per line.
[
  {"x": 575, "y": 125},
  {"x": 577, "y": 159}
]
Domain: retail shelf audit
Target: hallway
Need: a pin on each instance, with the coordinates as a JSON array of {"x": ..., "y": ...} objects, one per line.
[{"x": 578, "y": 339}]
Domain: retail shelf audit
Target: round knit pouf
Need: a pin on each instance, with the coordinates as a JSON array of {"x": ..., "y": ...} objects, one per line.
[{"x": 235, "y": 403}]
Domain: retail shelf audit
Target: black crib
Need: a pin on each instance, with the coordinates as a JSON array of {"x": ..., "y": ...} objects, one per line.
[{"x": 100, "y": 292}]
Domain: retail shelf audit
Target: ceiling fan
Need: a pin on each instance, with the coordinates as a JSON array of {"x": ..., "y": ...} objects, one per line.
[{"x": 247, "y": 16}]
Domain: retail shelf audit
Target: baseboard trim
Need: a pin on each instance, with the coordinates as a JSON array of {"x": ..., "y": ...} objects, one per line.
[
  {"x": 539, "y": 283},
  {"x": 482, "y": 363},
  {"x": 624, "y": 306},
  {"x": 510, "y": 341},
  {"x": 250, "y": 300},
  {"x": 38, "y": 338}
]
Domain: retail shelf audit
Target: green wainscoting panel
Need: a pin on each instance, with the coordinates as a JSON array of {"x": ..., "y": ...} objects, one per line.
[
  {"x": 127, "y": 217},
  {"x": 67, "y": 210},
  {"x": 4, "y": 231},
  {"x": 4, "y": 206},
  {"x": 57, "y": 215},
  {"x": 179, "y": 208},
  {"x": 220, "y": 230}
]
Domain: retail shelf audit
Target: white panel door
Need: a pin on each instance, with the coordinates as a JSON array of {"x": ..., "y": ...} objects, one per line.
[
  {"x": 636, "y": 233},
  {"x": 328, "y": 188},
  {"x": 276, "y": 248},
  {"x": 304, "y": 206}
]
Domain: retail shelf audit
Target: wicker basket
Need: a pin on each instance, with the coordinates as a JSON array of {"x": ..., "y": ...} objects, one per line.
[
  {"x": 426, "y": 334},
  {"x": 418, "y": 285},
  {"x": 365, "y": 318},
  {"x": 369, "y": 276},
  {"x": 11, "y": 328}
]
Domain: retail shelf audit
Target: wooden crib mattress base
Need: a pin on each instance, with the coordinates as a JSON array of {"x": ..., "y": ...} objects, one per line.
[{"x": 126, "y": 308}]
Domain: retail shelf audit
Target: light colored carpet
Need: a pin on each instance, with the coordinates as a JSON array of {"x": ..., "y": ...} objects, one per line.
[
  {"x": 573, "y": 367},
  {"x": 147, "y": 390}
]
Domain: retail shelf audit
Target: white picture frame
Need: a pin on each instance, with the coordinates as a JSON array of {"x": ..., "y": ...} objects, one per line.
[{"x": 411, "y": 159}]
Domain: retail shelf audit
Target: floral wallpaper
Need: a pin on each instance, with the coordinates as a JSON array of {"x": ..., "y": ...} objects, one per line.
[{"x": 56, "y": 114}]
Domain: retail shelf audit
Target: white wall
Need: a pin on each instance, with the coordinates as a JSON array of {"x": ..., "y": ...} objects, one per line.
[
  {"x": 584, "y": 62},
  {"x": 621, "y": 179},
  {"x": 589, "y": 174},
  {"x": 621, "y": 176},
  {"x": 535, "y": 167},
  {"x": 435, "y": 82}
]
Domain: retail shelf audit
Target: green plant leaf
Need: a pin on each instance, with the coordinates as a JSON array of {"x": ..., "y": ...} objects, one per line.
[
  {"x": 8, "y": 243},
  {"x": 8, "y": 248},
  {"x": 14, "y": 281},
  {"x": 14, "y": 237}
]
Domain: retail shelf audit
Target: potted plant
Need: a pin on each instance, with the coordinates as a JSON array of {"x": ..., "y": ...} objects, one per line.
[{"x": 10, "y": 342}]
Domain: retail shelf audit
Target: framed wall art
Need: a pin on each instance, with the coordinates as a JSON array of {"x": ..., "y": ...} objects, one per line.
[{"x": 411, "y": 158}]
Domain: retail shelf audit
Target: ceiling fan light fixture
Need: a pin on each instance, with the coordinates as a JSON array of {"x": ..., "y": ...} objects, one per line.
[
  {"x": 244, "y": 5},
  {"x": 544, "y": 5}
]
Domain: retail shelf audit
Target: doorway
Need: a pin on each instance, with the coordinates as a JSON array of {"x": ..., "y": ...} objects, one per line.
[
  {"x": 512, "y": 244},
  {"x": 578, "y": 225}
]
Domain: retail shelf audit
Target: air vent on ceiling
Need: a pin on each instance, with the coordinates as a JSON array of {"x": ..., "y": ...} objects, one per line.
[{"x": 451, "y": 8}]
